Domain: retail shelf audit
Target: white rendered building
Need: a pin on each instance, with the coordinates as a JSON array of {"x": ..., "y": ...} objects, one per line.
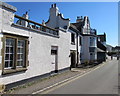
[{"x": 29, "y": 49}]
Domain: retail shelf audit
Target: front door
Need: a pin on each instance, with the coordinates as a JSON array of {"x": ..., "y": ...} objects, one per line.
[{"x": 54, "y": 65}]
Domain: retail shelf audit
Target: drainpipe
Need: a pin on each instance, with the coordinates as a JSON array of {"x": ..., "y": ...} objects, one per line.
[{"x": 77, "y": 50}]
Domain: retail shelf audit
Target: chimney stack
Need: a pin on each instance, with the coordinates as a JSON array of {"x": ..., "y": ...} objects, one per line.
[{"x": 79, "y": 18}]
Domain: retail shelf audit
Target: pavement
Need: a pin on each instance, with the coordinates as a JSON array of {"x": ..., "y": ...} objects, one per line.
[{"x": 44, "y": 84}]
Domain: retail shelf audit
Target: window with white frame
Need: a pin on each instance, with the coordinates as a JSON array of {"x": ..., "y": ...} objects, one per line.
[
  {"x": 9, "y": 52},
  {"x": 15, "y": 52},
  {"x": 20, "y": 53}
]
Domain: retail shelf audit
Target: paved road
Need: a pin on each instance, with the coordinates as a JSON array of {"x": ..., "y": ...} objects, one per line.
[{"x": 103, "y": 80}]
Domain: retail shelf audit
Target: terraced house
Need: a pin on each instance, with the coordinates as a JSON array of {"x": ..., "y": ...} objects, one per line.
[{"x": 29, "y": 49}]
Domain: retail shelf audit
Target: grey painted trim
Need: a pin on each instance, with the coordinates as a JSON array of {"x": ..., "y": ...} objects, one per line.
[
  {"x": 9, "y": 32},
  {"x": 63, "y": 30},
  {"x": 3, "y": 4},
  {"x": 73, "y": 29},
  {"x": 27, "y": 28}
]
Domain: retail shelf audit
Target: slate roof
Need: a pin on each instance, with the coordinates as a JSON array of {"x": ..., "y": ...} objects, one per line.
[
  {"x": 102, "y": 37},
  {"x": 73, "y": 27},
  {"x": 101, "y": 46},
  {"x": 117, "y": 48},
  {"x": 99, "y": 50},
  {"x": 78, "y": 25}
]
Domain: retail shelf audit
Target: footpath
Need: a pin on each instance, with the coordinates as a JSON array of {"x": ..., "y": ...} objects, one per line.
[{"x": 46, "y": 83}]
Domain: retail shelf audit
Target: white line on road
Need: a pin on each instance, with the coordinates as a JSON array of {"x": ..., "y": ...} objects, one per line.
[{"x": 64, "y": 82}]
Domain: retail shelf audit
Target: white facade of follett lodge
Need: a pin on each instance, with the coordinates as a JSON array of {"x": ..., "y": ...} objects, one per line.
[{"x": 29, "y": 49}]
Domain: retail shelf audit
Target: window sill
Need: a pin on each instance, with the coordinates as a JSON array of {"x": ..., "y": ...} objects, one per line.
[{"x": 9, "y": 71}]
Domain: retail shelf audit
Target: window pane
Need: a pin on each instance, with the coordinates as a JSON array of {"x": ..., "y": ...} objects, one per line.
[
  {"x": 11, "y": 49},
  {"x": 6, "y": 64},
  {"x": 18, "y": 56},
  {"x": 22, "y": 49},
  {"x": 21, "y": 43},
  {"x": 7, "y": 41},
  {"x": 7, "y": 57},
  {"x": 11, "y": 56},
  {"x": 7, "y": 49},
  {"x": 18, "y": 50},
  {"x": 11, "y": 63},
  {"x": 21, "y": 56},
  {"x": 53, "y": 52},
  {"x": 18, "y": 63},
  {"x": 72, "y": 37},
  {"x": 11, "y": 42}
]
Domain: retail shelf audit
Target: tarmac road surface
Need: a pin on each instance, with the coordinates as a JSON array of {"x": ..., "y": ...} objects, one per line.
[{"x": 103, "y": 80}]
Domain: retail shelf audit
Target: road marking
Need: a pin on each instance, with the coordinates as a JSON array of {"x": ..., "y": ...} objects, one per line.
[{"x": 66, "y": 81}]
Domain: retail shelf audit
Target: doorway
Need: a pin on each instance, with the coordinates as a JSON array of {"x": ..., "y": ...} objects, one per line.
[
  {"x": 73, "y": 59},
  {"x": 54, "y": 59}
]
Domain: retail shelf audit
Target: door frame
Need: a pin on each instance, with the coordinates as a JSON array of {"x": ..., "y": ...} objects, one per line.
[{"x": 55, "y": 48}]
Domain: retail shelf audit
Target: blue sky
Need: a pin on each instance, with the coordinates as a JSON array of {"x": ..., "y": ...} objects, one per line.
[{"x": 103, "y": 15}]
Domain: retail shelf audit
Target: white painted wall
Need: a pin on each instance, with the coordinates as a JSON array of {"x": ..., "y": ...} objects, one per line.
[
  {"x": 87, "y": 42},
  {"x": 55, "y": 19},
  {"x": 86, "y": 27},
  {"x": 0, "y": 18},
  {"x": 0, "y": 41},
  {"x": 1, "y": 35},
  {"x": 85, "y": 49},
  {"x": 40, "y": 55},
  {"x": 7, "y": 20},
  {"x": 39, "y": 50},
  {"x": 62, "y": 23},
  {"x": 79, "y": 50},
  {"x": 72, "y": 46},
  {"x": 93, "y": 41}
]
